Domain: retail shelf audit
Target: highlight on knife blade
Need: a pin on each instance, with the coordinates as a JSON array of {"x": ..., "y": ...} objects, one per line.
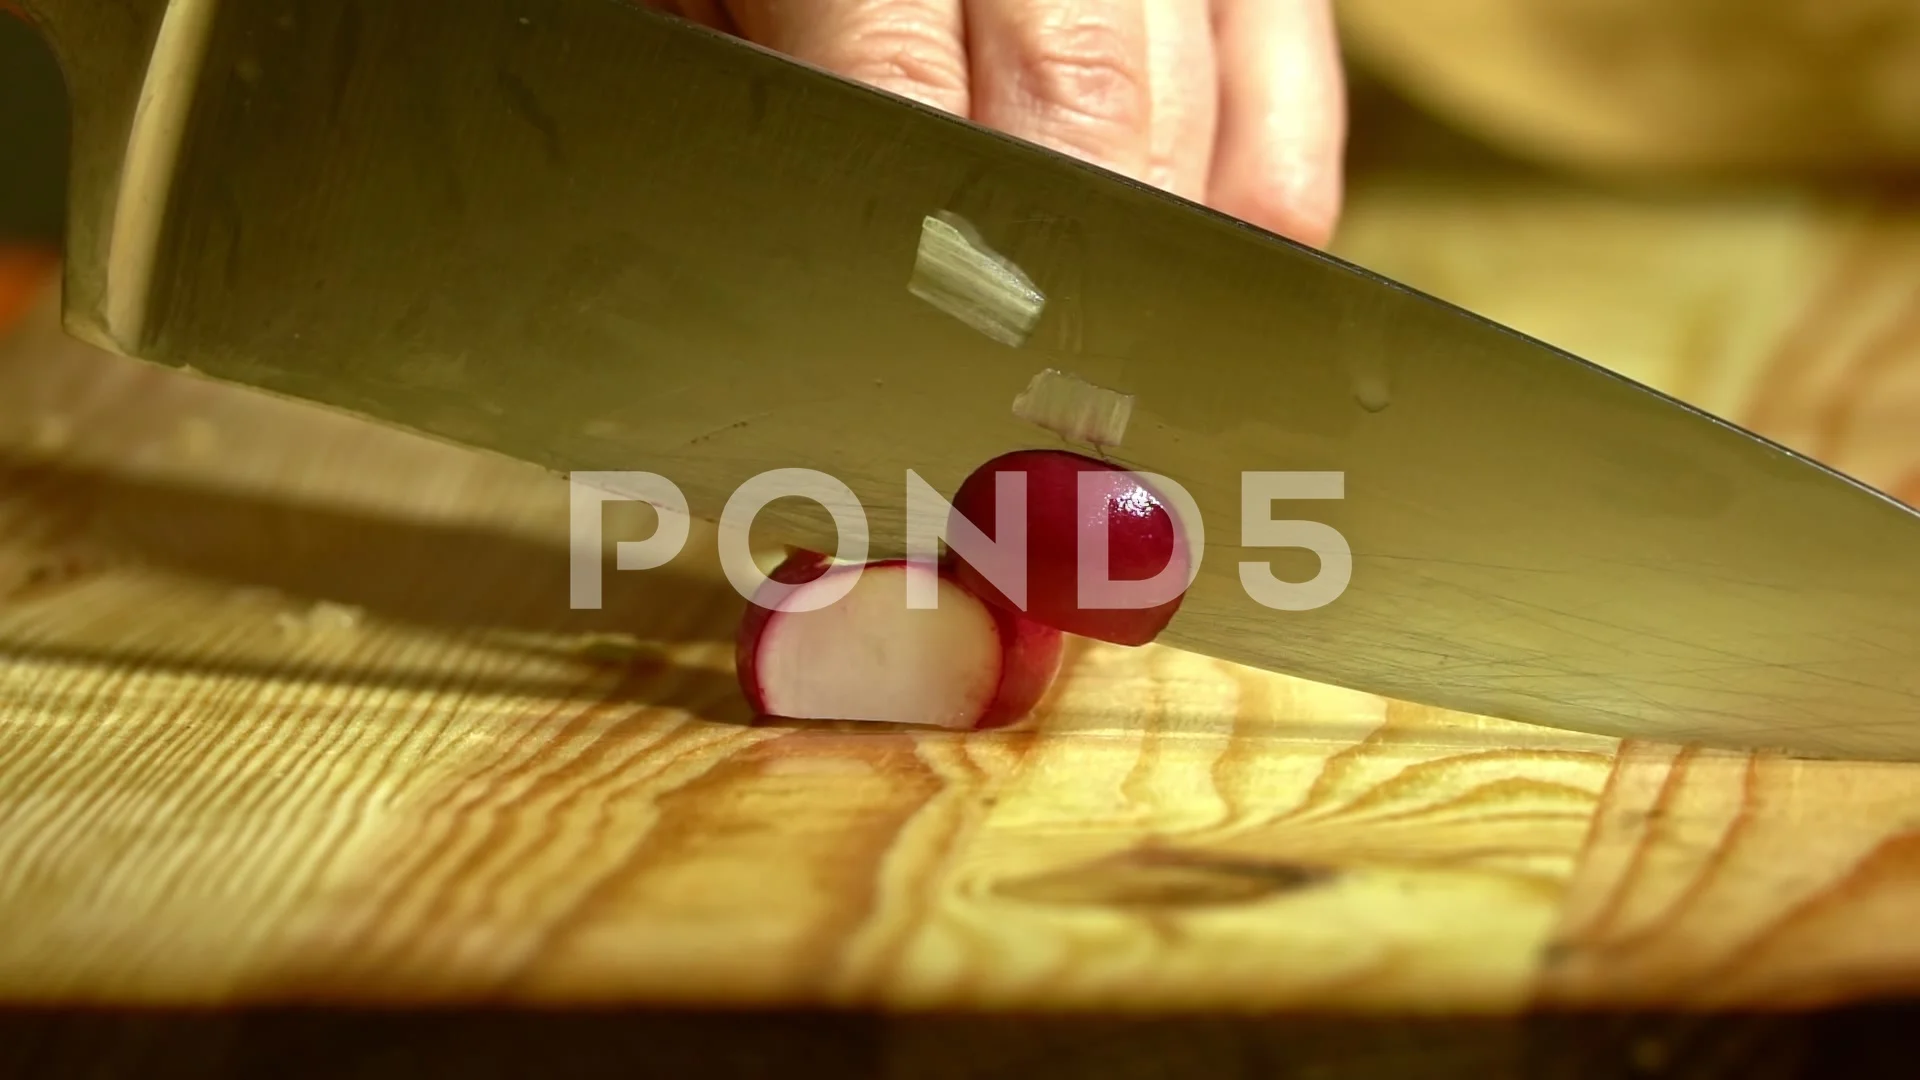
[
  {"x": 1075, "y": 409},
  {"x": 956, "y": 271}
]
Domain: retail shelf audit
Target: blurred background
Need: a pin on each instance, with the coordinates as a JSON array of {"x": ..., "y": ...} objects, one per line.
[
  {"x": 33, "y": 144},
  {"x": 33, "y": 136},
  {"x": 1660, "y": 85}
]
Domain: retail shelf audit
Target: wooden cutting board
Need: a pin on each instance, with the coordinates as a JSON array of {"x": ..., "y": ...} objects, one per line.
[{"x": 292, "y": 707}]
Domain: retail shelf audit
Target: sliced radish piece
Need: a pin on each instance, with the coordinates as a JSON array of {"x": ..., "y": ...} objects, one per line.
[
  {"x": 1143, "y": 542},
  {"x": 868, "y": 656}
]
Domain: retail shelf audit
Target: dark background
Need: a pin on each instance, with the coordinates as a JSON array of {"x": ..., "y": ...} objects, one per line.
[{"x": 33, "y": 136}]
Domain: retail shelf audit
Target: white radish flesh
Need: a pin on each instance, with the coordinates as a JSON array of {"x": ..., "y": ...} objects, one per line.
[{"x": 868, "y": 656}]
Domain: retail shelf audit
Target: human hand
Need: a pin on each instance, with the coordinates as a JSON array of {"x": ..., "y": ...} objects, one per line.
[{"x": 1239, "y": 104}]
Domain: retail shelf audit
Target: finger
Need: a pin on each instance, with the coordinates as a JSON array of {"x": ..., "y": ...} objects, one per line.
[
  {"x": 1071, "y": 75},
  {"x": 1283, "y": 116},
  {"x": 1184, "y": 96},
  {"x": 914, "y": 48}
]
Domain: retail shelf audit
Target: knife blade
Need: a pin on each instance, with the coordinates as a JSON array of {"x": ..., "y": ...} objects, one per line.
[{"x": 591, "y": 237}]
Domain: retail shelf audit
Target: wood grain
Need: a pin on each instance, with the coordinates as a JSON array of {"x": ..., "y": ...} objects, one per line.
[
  {"x": 292, "y": 709},
  {"x": 1719, "y": 880}
]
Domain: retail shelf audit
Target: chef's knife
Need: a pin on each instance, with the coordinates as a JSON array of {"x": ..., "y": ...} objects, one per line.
[{"x": 595, "y": 238}]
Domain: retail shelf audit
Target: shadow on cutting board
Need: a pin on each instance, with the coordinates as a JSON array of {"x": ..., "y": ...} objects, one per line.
[{"x": 64, "y": 526}]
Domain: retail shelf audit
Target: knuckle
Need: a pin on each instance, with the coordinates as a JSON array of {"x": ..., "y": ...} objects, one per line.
[
  {"x": 1083, "y": 69},
  {"x": 911, "y": 59}
]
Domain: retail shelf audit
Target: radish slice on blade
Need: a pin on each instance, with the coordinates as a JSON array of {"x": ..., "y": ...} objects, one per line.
[
  {"x": 868, "y": 656},
  {"x": 1143, "y": 541}
]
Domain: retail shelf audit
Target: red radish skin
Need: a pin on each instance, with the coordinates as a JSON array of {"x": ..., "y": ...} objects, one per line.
[
  {"x": 962, "y": 665},
  {"x": 798, "y": 568},
  {"x": 1034, "y": 652},
  {"x": 1142, "y": 538}
]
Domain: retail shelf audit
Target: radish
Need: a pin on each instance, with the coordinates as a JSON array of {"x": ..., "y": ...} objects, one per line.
[
  {"x": 962, "y": 664},
  {"x": 1069, "y": 587}
]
